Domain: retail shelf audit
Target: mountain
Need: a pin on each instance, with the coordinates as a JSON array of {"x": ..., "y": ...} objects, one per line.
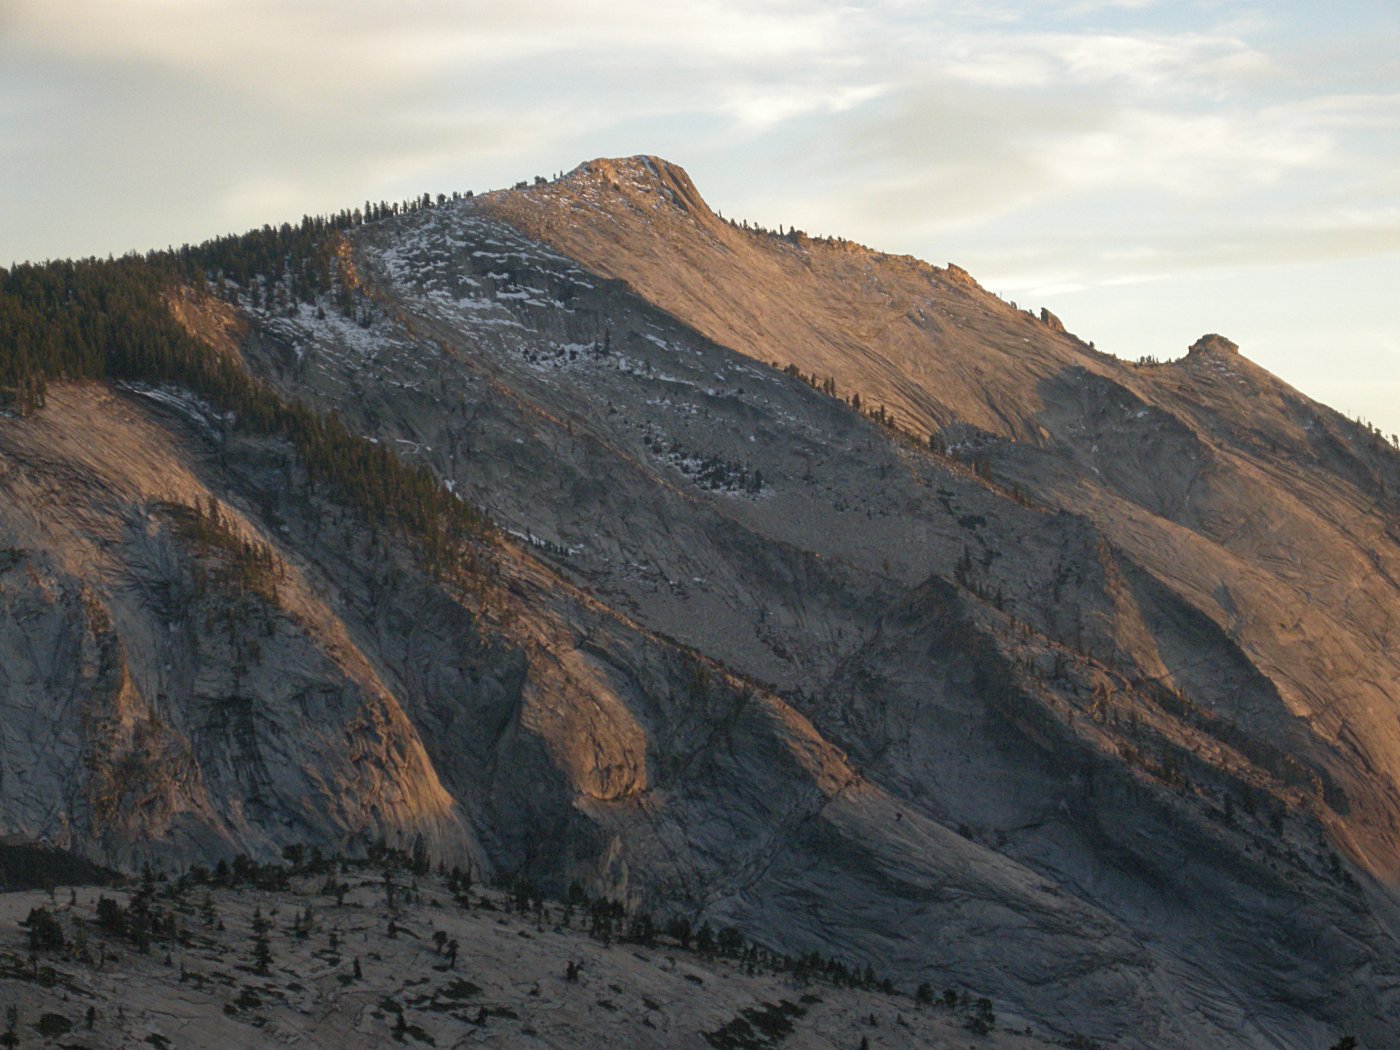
[{"x": 573, "y": 532}]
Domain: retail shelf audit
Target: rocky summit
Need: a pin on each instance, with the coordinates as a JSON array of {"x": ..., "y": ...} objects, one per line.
[{"x": 577, "y": 535}]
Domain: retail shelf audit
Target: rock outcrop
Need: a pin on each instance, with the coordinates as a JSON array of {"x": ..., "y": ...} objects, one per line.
[{"x": 1214, "y": 344}]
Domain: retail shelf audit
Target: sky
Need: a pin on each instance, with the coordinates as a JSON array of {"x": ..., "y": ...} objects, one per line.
[{"x": 1150, "y": 171}]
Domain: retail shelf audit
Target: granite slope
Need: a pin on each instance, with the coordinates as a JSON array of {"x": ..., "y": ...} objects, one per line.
[{"x": 1013, "y": 708}]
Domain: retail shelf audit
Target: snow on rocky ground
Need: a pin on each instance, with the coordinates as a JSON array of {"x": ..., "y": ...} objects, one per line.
[{"x": 509, "y": 985}]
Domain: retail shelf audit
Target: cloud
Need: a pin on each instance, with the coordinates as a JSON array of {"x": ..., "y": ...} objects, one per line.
[
  {"x": 264, "y": 44},
  {"x": 1177, "y": 62},
  {"x": 1196, "y": 146},
  {"x": 1086, "y": 129},
  {"x": 1047, "y": 271},
  {"x": 312, "y": 96},
  {"x": 1094, "y": 6}
]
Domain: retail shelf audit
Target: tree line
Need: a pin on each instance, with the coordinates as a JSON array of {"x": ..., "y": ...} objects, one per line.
[{"x": 96, "y": 319}]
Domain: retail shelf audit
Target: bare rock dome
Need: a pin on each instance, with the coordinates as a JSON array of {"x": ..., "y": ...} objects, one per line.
[{"x": 1212, "y": 343}]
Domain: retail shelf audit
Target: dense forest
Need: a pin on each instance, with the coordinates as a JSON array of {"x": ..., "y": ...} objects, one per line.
[{"x": 97, "y": 319}]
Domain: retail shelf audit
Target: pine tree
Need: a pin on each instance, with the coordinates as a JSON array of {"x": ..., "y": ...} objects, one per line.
[{"x": 262, "y": 950}]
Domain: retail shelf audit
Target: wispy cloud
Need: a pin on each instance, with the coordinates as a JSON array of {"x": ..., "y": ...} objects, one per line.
[
  {"x": 310, "y": 97},
  {"x": 1176, "y": 62}
]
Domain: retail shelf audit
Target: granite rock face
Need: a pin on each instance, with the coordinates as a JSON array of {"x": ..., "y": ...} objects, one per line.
[
  {"x": 1213, "y": 343},
  {"x": 834, "y": 599}
]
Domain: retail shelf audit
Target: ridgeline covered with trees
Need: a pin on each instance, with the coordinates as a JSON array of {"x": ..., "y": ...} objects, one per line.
[{"x": 109, "y": 320}]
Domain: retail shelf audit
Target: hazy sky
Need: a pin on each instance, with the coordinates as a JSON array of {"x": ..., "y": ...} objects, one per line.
[{"x": 1149, "y": 170}]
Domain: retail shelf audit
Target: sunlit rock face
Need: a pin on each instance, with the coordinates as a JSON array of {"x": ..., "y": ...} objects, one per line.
[
  {"x": 834, "y": 598},
  {"x": 1213, "y": 343}
]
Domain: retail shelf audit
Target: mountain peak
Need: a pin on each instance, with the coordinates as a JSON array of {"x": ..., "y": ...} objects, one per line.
[
  {"x": 804, "y": 301},
  {"x": 1213, "y": 343},
  {"x": 639, "y": 176},
  {"x": 639, "y": 165}
]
